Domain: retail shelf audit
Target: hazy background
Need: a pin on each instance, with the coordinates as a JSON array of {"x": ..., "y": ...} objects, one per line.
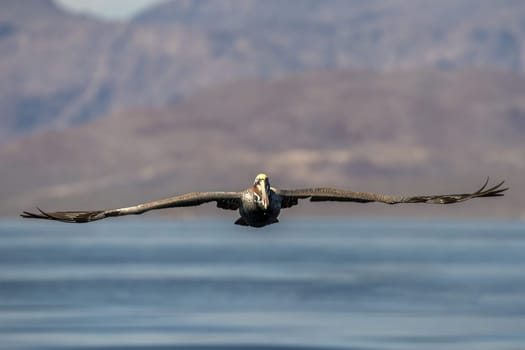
[{"x": 109, "y": 103}]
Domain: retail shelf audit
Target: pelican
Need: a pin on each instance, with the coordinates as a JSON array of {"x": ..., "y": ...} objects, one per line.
[{"x": 260, "y": 204}]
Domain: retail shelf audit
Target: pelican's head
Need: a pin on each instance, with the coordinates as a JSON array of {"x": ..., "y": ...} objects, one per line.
[{"x": 261, "y": 189}]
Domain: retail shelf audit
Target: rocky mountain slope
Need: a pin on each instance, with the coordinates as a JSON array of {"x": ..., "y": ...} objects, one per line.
[{"x": 59, "y": 70}]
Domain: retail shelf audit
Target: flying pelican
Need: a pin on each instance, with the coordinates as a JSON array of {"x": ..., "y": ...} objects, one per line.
[{"x": 260, "y": 204}]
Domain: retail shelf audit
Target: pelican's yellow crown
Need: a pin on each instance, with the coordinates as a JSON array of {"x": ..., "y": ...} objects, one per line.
[{"x": 261, "y": 177}]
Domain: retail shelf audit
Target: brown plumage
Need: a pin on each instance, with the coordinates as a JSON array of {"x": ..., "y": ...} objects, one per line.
[{"x": 260, "y": 204}]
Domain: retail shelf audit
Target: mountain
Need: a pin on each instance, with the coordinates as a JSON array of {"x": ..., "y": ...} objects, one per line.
[
  {"x": 47, "y": 69},
  {"x": 31, "y": 10},
  {"x": 60, "y": 70},
  {"x": 354, "y": 34},
  {"x": 405, "y": 132}
]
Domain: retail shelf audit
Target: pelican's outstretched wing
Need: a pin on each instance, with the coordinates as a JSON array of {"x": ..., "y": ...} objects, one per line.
[
  {"x": 225, "y": 200},
  {"x": 291, "y": 197}
]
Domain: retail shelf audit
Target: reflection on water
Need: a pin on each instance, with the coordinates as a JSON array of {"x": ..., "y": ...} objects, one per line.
[{"x": 297, "y": 285}]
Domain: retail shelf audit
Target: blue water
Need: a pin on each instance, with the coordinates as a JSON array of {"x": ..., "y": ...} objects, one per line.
[{"x": 126, "y": 284}]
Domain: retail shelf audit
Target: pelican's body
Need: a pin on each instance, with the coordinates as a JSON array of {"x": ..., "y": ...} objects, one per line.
[
  {"x": 253, "y": 209},
  {"x": 260, "y": 204}
]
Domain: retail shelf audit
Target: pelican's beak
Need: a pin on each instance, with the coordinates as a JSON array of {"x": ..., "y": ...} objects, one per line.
[
  {"x": 264, "y": 196},
  {"x": 263, "y": 186}
]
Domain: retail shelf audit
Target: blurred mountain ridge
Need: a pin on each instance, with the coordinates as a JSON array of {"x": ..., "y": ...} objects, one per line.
[{"x": 59, "y": 69}]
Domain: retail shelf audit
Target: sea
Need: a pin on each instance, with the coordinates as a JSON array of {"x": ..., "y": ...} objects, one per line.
[{"x": 311, "y": 284}]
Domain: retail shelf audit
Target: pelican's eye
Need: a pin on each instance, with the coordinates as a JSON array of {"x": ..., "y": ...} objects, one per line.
[{"x": 257, "y": 197}]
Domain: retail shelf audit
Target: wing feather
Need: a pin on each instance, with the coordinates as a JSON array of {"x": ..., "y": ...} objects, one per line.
[
  {"x": 291, "y": 197},
  {"x": 225, "y": 200}
]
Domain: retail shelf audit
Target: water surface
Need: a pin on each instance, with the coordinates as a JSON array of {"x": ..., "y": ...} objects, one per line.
[{"x": 297, "y": 285}]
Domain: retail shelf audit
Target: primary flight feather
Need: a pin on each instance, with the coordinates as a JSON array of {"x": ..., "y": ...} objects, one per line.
[{"x": 260, "y": 204}]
